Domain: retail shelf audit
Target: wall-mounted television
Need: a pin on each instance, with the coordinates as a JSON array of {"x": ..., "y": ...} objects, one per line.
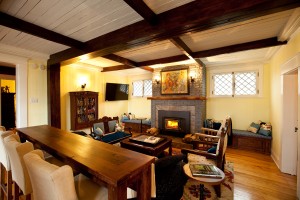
[{"x": 116, "y": 91}]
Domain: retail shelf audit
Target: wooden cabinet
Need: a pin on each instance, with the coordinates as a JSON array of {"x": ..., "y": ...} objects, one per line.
[
  {"x": 84, "y": 109},
  {"x": 8, "y": 110}
]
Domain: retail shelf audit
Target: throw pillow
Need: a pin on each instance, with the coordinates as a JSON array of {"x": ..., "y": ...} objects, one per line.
[
  {"x": 112, "y": 125},
  {"x": 253, "y": 127},
  {"x": 98, "y": 131},
  {"x": 208, "y": 123},
  {"x": 212, "y": 149},
  {"x": 265, "y": 129}
]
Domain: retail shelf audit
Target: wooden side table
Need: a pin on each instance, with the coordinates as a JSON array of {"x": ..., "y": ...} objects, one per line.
[{"x": 203, "y": 180}]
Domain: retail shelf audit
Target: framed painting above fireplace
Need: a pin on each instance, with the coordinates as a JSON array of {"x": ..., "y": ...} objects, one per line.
[{"x": 174, "y": 82}]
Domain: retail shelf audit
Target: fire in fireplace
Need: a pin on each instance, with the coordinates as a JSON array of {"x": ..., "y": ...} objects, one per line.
[{"x": 172, "y": 124}]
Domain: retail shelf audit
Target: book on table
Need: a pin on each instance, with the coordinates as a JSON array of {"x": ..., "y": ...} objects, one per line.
[
  {"x": 205, "y": 170},
  {"x": 147, "y": 139}
]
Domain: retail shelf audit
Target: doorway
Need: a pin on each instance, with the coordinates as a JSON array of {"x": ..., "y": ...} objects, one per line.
[{"x": 289, "y": 140}]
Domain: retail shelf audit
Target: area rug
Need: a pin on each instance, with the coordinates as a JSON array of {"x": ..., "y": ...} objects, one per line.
[{"x": 192, "y": 192}]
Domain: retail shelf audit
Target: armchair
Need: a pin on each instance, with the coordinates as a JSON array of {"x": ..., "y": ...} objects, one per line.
[{"x": 202, "y": 156}]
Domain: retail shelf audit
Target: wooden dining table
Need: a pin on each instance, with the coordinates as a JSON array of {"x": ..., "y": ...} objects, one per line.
[{"x": 116, "y": 167}]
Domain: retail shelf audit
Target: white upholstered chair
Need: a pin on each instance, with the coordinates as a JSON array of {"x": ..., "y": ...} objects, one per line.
[
  {"x": 50, "y": 182},
  {"x": 6, "y": 186},
  {"x": 16, "y": 151}
]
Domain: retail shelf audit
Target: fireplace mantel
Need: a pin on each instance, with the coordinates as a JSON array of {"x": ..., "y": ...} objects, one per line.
[{"x": 177, "y": 98}]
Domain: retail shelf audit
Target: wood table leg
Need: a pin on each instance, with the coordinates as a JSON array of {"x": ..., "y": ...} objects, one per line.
[
  {"x": 144, "y": 188},
  {"x": 119, "y": 192},
  {"x": 170, "y": 149},
  {"x": 201, "y": 192}
]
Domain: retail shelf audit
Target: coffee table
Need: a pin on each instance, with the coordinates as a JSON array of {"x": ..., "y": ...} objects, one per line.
[
  {"x": 152, "y": 150},
  {"x": 203, "y": 180}
]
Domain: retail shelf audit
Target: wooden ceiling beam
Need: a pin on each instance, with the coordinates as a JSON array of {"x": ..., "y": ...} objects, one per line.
[
  {"x": 191, "y": 17},
  {"x": 142, "y": 9},
  {"x": 32, "y": 29},
  {"x": 116, "y": 68},
  {"x": 185, "y": 50},
  {"x": 269, "y": 42}
]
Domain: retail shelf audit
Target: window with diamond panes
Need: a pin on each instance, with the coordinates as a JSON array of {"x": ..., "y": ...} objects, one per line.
[
  {"x": 142, "y": 88},
  {"x": 137, "y": 88},
  {"x": 147, "y": 87},
  {"x": 222, "y": 84},
  {"x": 245, "y": 83}
]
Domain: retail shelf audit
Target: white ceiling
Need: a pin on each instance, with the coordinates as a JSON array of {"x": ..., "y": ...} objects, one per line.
[{"x": 84, "y": 20}]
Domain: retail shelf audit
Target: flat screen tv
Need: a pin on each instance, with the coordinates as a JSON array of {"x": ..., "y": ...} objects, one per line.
[{"x": 116, "y": 91}]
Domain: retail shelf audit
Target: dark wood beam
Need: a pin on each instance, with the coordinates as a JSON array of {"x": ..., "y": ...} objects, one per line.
[
  {"x": 269, "y": 42},
  {"x": 185, "y": 50},
  {"x": 116, "y": 68},
  {"x": 32, "y": 29},
  {"x": 192, "y": 17},
  {"x": 148, "y": 68},
  {"x": 53, "y": 85},
  {"x": 120, "y": 59},
  {"x": 142, "y": 9}
]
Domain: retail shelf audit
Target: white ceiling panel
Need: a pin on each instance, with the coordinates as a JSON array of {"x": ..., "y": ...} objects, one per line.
[
  {"x": 251, "y": 30},
  {"x": 159, "y": 6},
  {"x": 25, "y": 41},
  {"x": 101, "y": 62},
  {"x": 259, "y": 55},
  {"x": 152, "y": 51}
]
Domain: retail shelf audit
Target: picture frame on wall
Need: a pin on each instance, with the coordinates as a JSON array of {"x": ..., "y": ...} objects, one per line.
[{"x": 174, "y": 82}]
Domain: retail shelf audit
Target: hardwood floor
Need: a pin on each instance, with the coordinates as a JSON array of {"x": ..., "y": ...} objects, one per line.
[{"x": 256, "y": 177}]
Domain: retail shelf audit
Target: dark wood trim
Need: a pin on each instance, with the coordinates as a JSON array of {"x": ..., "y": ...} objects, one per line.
[
  {"x": 185, "y": 49},
  {"x": 177, "y": 98},
  {"x": 191, "y": 17},
  {"x": 115, "y": 68},
  {"x": 32, "y": 29},
  {"x": 54, "y": 110},
  {"x": 269, "y": 42},
  {"x": 8, "y": 70},
  {"x": 142, "y": 9}
]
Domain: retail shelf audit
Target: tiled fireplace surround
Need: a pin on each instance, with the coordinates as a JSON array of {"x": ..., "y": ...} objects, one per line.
[{"x": 190, "y": 102}]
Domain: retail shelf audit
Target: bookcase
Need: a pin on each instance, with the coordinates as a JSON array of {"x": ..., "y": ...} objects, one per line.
[{"x": 84, "y": 109}]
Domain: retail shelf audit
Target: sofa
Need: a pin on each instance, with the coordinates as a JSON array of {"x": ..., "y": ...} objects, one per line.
[{"x": 107, "y": 129}]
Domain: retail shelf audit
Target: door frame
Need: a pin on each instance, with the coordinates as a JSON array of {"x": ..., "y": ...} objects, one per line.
[
  {"x": 21, "y": 87},
  {"x": 290, "y": 65}
]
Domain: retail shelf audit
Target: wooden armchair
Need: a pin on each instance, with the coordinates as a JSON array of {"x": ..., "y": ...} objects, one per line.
[{"x": 197, "y": 155}]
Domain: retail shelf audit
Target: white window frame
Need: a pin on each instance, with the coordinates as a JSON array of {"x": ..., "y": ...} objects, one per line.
[
  {"x": 143, "y": 94},
  {"x": 241, "y": 68}
]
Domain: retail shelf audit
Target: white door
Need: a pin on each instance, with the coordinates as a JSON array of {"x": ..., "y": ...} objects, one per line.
[{"x": 290, "y": 122}]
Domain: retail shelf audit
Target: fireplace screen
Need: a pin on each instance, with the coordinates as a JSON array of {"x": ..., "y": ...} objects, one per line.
[{"x": 172, "y": 124}]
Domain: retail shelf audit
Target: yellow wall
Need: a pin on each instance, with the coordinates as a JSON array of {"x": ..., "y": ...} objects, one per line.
[
  {"x": 283, "y": 55},
  {"x": 139, "y": 106},
  {"x": 243, "y": 110},
  {"x": 71, "y": 79},
  {"x": 37, "y": 94},
  {"x": 10, "y": 83}
]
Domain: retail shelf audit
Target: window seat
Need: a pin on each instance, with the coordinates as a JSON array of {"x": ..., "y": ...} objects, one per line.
[
  {"x": 135, "y": 125},
  {"x": 242, "y": 139}
]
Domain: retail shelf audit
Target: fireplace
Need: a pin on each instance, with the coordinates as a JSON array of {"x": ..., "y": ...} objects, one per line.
[{"x": 175, "y": 123}]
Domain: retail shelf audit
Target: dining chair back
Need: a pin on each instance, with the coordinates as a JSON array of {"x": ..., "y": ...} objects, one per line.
[
  {"x": 5, "y": 173},
  {"x": 16, "y": 150},
  {"x": 50, "y": 182}
]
